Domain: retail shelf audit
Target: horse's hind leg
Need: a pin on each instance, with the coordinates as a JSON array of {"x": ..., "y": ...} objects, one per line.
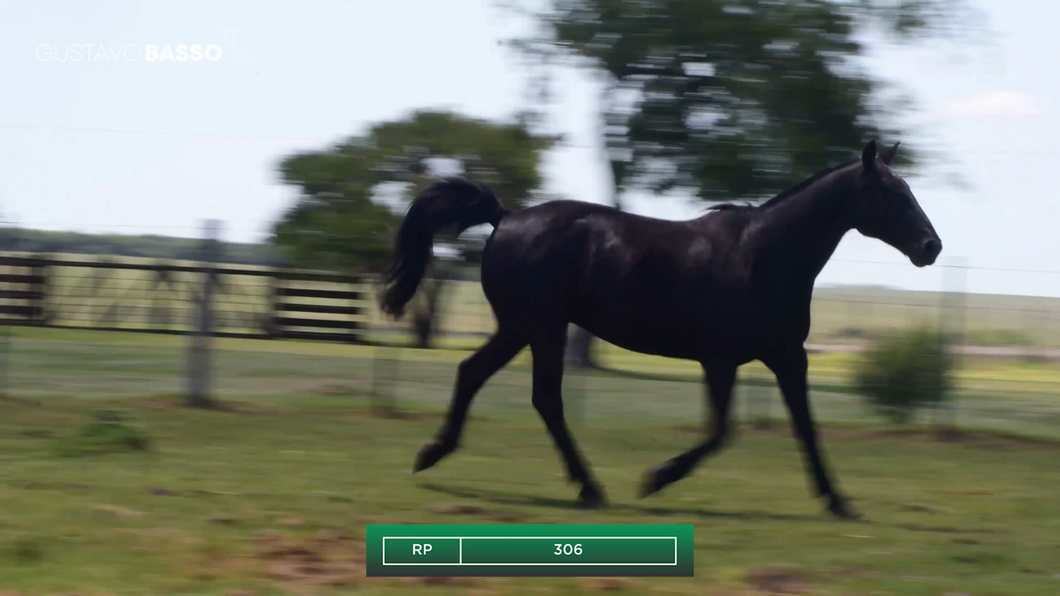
[
  {"x": 720, "y": 380},
  {"x": 471, "y": 375},
  {"x": 548, "y": 401}
]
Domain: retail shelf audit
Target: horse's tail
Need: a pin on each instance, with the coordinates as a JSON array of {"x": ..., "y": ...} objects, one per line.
[{"x": 449, "y": 203}]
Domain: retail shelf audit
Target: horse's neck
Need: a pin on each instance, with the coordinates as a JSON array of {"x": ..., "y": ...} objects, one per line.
[{"x": 804, "y": 230}]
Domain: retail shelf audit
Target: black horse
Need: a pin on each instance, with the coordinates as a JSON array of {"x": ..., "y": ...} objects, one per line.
[{"x": 723, "y": 289}]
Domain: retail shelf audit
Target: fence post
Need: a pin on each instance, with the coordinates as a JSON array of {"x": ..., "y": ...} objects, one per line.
[
  {"x": 953, "y": 327},
  {"x": 198, "y": 395},
  {"x": 356, "y": 334},
  {"x": 39, "y": 271},
  {"x": 271, "y": 328},
  {"x": 5, "y": 334},
  {"x": 5, "y": 361},
  {"x": 384, "y": 371},
  {"x": 759, "y": 402},
  {"x": 385, "y": 361},
  {"x": 576, "y": 393}
]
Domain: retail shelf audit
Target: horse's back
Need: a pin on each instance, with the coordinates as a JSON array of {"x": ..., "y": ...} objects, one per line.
[
  {"x": 635, "y": 281},
  {"x": 576, "y": 246},
  {"x": 538, "y": 256}
]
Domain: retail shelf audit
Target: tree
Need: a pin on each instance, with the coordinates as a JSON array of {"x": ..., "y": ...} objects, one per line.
[
  {"x": 349, "y": 192},
  {"x": 730, "y": 100}
]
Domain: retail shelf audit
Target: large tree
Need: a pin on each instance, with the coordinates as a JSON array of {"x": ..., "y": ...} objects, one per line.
[
  {"x": 730, "y": 99},
  {"x": 351, "y": 194}
]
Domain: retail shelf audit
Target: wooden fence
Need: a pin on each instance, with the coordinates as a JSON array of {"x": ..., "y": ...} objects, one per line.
[{"x": 157, "y": 297}]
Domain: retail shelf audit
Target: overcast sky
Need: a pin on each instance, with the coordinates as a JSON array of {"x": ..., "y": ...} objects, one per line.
[{"x": 101, "y": 139}]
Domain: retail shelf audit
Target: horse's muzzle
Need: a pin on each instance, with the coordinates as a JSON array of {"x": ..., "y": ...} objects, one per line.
[{"x": 927, "y": 253}]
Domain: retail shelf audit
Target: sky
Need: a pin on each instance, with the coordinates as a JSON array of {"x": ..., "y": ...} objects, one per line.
[{"x": 97, "y": 137}]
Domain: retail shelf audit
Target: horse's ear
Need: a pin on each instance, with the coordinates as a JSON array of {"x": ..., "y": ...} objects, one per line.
[
  {"x": 887, "y": 157},
  {"x": 868, "y": 156}
]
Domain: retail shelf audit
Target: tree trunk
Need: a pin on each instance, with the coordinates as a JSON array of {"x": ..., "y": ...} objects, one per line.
[
  {"x": 423, "y": 330},
  {"x": 425, "y": 318},
  {"x": 199, "y": 362},
  {"x": 579, "y": 353}
]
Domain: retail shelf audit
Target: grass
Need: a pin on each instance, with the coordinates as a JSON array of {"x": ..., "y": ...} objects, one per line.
[
  {"x": 271, "y": 495},
  {"x": 239, "y": 500}
]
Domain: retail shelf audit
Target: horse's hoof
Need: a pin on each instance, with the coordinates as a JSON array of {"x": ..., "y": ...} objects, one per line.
[
  {"x": 654, "y": 481},
  {"x": 842, "y": 510},
  {"x": 591, "y": 497},
  {"x": 429, "y": 455}
]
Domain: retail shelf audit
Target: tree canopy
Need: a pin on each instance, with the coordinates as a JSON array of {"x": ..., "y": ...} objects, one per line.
[
  {"x": 349, "y": 192},
  {"x": 734, "y": 99}
]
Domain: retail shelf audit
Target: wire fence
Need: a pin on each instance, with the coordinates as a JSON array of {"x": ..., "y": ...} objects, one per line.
[{"x": 67, "y": 320}]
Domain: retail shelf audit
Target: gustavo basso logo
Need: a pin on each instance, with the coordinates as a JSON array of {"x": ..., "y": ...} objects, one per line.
[
  {"x": 182, "y": 53},
  {"x": 89, "y": 52}
]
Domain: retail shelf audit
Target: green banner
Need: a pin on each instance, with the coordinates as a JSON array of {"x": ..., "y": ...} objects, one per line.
[{"x": 529, "y": 550}]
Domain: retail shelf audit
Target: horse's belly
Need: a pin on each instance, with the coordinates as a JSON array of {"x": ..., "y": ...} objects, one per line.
[{"x": 642, "y": 332}]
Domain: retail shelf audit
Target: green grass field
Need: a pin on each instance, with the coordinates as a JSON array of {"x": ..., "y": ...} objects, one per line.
[{"x": 272, "y": 495}]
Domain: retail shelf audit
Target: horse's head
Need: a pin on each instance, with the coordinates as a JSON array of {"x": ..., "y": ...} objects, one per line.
[{"x": 886, "y": 209}]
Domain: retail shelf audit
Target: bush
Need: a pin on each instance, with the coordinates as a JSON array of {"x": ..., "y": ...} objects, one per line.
[{"x": 904, "y": 373}]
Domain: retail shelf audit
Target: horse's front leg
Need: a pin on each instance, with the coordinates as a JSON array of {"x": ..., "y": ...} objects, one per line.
[{"x": 790, "y": 367}]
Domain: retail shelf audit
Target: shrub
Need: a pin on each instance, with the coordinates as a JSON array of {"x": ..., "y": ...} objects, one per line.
[{"x": 906, "y": 372}]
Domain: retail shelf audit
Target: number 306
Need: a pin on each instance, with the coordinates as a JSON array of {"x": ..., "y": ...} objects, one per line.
[{"x": 568, "y": 549}]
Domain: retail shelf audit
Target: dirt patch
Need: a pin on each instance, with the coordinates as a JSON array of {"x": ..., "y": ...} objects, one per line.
[
  {"x": 778, "y": 580},
  {"x": 689, "y": 590},
  {"x": 604, "y": 584},
  {"x": 117, "y": 510},
  {"x": 443, "y": 581},
  {"x": 329, "y": 558},
  {"x": 469, "y": 586}
]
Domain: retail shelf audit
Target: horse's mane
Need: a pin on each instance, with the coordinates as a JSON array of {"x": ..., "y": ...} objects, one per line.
[{"x": 787, "y": 193}]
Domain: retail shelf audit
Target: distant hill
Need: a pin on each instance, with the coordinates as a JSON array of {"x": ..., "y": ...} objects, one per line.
[
  {"x": 143, "y": 246},
  {"x": 859, "y": 287}
]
